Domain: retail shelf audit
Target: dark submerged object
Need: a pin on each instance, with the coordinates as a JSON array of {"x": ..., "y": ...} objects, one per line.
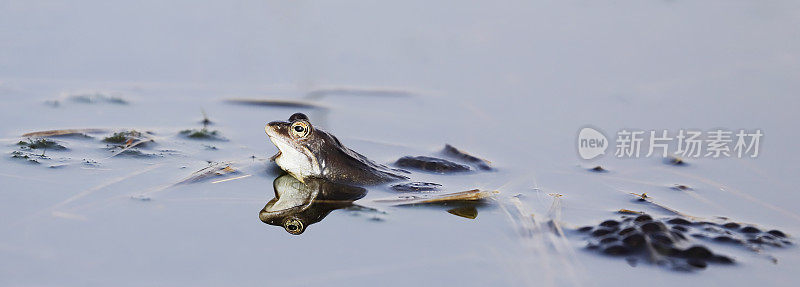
[
  {"x": 416, "y": 186},
  {"x": 431, "y": 164},
  {"x": 673, "y": 160},
  {"x": 453, "y": 152},
  {"x": 598, "y": 169},
  {"x": 41, "y": 143},
  {"x": 297, "y": 205},
  {"x": 664, "y": 241}
]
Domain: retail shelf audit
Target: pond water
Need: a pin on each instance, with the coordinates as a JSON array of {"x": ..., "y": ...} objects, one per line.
[{"x": 512, "y": 84}]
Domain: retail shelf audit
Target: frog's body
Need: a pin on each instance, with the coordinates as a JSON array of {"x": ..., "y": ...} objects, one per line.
[{"x": 309, "y": 152}]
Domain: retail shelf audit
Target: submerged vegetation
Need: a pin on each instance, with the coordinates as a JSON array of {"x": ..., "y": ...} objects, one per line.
[
  {"x": 33, "y": 150},
  {"x": 201, "y": 134},
  {"x": 24, "y": 156},
  {"x": 41, "y": 143},
  {"x": 126, "y": 137},
  {"x": 128, "y": 142}
]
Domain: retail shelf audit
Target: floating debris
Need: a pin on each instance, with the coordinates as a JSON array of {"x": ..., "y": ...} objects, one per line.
[
  {"x": 453, "y": 152},
  {"x": 598, "y": 169},
  {"x": 358, "y": 91},
  {"x": 64, "y": 132},
  {"x": 681, "y": 187},
  {"x": 141, "y": 197},
  {"x": 644, "y": 198},
  {"x": 276, "y": 103},
  {"x": 674, "y": 160},
  {"x": 90, "y": 162},
  {"x": 202, "y": 134},
  {"x": 641, "y": 197},
  {"x": 466, "y": 212},
  {"x": 431, "y": 164},
  {"x": 123, "y": 143},
  {"x": 213, "y": 170},
  {"x": 41, "y": 143},
  {"x": 97, "y": 97},
  {"x": 628, "y": 211},
  {"x": 469, "y": 195},
  {"x": 416, "y": 186},
  {"x": 52, "y": 103},
  {"x": 233, "y": 178},
  {"x": 665, "y": 241}
]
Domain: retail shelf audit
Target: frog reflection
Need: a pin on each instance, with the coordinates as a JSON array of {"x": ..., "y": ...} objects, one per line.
[{"x": 297, "y": 205}]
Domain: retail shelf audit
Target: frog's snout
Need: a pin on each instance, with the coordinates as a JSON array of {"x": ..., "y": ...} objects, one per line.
[{"x": 272, "y": 128}]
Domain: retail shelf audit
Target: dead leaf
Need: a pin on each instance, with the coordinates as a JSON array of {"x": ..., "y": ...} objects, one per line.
[
  {"x": 63, "y": 132},
  {"x": 469, "y": 195}
]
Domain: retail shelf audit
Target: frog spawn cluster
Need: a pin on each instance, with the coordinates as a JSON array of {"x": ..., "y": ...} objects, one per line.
[{"x": 673, "y": 242}]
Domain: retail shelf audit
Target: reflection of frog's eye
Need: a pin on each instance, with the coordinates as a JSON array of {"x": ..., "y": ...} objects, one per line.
[
  {"x": 293, "y": 226},
  {"x": 300, "y": 129}
]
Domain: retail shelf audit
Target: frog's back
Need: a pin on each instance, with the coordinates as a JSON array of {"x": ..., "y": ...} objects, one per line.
[{"x": 342, "y": 164}]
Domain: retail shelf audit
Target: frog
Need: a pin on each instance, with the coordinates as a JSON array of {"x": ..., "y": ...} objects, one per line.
[{"x": 306, "y": 151}]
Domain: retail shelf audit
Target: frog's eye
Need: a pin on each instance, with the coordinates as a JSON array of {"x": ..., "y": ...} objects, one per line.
[
  {"x": 293, "y": 226},
  {"x": 300, "y": 129}
]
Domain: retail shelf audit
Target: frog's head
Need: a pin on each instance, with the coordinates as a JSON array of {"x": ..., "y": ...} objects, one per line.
[{"x": 298, "y": 145}]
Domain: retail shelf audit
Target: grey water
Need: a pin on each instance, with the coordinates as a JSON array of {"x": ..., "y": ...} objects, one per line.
[{"x": 510, "y": 82}]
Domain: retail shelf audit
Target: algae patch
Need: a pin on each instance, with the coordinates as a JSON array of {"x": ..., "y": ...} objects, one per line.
[
  {"x": 125, "y": 137},
  {"x": 41, "y": 143},
  {"x": 128, "y": 142},
  {"x": 202, "y": 134},
  {"x": 24, "y": 156}
]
